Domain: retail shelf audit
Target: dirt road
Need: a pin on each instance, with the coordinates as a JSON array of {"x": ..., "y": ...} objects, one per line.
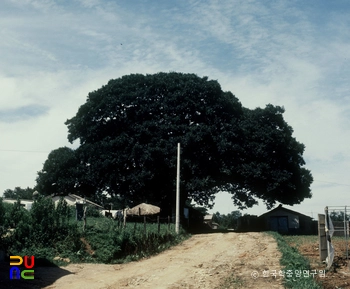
[{"x": 203, "y": 261}]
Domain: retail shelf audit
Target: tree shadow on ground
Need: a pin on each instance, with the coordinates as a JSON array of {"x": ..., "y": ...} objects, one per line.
[{"x": 45, "y": 274}]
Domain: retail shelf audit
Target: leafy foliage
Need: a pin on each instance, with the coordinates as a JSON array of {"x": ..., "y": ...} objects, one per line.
[
  {"x": 45, "y": 228},
  {"x": 293, "y": 260},
  {"x": 229, "y": 221},
  {"x": 19, "y": 193},
  {"x": 113, "y": 244},
  {"x": 3, "y": 224},
  {"x": 60, "y": 172},
  {"x": 339, "y": 216},
  {"x": 272, "y": 168},
  {"x": 46, "y": 232},
  {"x": 129, "y": 130}
]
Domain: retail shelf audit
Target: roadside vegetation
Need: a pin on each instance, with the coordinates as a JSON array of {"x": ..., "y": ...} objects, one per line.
[
  {"x": 53, "y": 235},
  {"x": 292, "y": 260}
]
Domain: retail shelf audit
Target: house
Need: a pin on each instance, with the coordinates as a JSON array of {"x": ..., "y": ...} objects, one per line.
[
  {"x": 72, "y": 200},
  {"x": 27, "y": 204},
  {"x": 79, "y": 202},
  {"x": 286, "y": 221},
  {"x": 208, "y": 220}
]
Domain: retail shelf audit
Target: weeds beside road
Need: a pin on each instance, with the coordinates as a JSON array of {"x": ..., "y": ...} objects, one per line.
[
  {"x": 294, "y": 263},
  {"x": 51, "y": 233},
  {"x": 339, "y": 274}
]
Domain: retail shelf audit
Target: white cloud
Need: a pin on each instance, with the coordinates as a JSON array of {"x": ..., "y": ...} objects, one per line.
[{"x": 291, "y": 54}]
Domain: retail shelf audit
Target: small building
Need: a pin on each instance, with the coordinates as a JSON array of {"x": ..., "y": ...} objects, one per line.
[
  {"x": 72, "y": 200},
  {"x": 208, "y": 220},
  {"x": 27, "y": 204},
  {"x": 286, "y": 221}
]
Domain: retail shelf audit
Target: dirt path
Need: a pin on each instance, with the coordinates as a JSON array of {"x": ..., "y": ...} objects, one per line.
[{"x": 203, "y": 261}]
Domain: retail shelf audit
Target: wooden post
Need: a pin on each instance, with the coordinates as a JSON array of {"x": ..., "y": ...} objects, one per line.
[
  {"x": 124, "y": 218},
  {"x": 346, "y": 232},
  {"x": 322, "y": 237},
  {"x": 177, "y": 219},
  {"x": 84, "y": 219},
  {"x": 158, "y": 224},
  {"x": 144, "y": 224}
]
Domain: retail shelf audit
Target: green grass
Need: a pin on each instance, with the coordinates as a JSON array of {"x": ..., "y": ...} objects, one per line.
[
  {"x": 103, "y": 241},
  {"x": 47, "y": 232},
  {"x": 111, "y": 243},
  {"x": 292, "y": 260},
  {"x": 301, "y": 240}
]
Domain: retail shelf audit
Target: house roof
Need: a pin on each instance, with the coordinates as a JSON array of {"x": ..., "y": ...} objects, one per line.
[
  {"x": 15, "y": 200},
  {"x": 81, "y": 199},
  {"x": 280, "y": 207},
  {"x": 208, "y": 217}
]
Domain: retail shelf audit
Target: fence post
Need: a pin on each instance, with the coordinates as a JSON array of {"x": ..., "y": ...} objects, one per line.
[
  {"x": 144, "y": 223},
  {"x": 346, "y": 232},
  {"x": 84, "y": 218},
  {"x": 322, "y": 237},
  {"x": 158, "y": 224},
  {"x": 124, "y": 218}
]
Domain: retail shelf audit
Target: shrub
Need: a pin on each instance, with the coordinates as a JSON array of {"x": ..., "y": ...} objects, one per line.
[
  {"x": 44, "y": 220},
  {"x": 47, "y": 232}
]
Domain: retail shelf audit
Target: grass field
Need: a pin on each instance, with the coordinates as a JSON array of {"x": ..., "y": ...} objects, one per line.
[
  {"x": 294, "y": 263},
  {"x": 308, "y": 246}
]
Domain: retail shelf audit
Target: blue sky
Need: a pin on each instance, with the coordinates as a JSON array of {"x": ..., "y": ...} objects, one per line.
[{"x": 290, "y": 53}]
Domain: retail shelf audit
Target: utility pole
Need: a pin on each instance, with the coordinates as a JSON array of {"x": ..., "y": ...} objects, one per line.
[{"x": 177, "y": 218}]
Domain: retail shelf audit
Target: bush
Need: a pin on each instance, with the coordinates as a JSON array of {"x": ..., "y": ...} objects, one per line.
[
  {"x": 3, "y": 225},
  {"x": 46, "y": 232},
  {"x": 114, "y": 245},
  {"x": 92, "y": 212}
]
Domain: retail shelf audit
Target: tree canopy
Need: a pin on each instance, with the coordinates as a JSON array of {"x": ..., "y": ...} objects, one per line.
[
  {"x": 229, "y": 221},
  {"x": 19, "y": 193},
  {"x": 129, "y": 130},
  {"x": 61, "y": 172}
]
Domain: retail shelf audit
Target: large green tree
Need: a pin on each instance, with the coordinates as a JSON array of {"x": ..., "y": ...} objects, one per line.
[
  {"x": 61, "y": 173},
  {"x": 129, "y": 130},
  {"x": 272, "y": 163}
]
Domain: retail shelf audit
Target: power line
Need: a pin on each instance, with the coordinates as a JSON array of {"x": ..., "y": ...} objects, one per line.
[{"x": 333, "y": 183}]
